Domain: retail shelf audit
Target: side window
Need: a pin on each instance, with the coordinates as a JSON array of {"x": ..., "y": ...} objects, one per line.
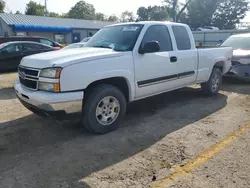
[
  {"x": 32, "y": 47},
  {"x": 182, "y": 38},
  {"x": 13, "y": 48},
  {"x": 47, "y": 42},
  {"x": 160, "y": 34}
]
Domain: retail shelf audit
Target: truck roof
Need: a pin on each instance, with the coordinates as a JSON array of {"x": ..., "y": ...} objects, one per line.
[{"x": 150, "y": 23}]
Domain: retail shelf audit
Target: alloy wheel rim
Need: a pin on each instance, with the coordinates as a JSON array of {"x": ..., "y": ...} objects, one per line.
[
  {"x": 107, "y": 110},
  {"x": 215, "y": 82}
]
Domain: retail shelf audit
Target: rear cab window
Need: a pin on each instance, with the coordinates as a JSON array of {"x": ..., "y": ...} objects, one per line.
[{"x": 182, "y": 38}]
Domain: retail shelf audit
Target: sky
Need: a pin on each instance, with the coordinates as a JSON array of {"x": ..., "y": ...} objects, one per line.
[{"x": 107, "y": 7}]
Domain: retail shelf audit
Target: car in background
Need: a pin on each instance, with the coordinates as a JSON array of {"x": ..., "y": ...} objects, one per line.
[
  {"x": 85, "y": 40},
  {"x": 11, "y": 53},
  {"x": 74, "y": 45},
  {"x": 241, "y": 56},
  {"x": 207, "y": 28},
  {"x": 32, "y": 39}
]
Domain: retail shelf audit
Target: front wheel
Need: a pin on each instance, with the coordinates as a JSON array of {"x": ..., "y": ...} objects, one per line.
[
  {"x": 104, "y": 108},
  {"x": 212, "y": 86}
]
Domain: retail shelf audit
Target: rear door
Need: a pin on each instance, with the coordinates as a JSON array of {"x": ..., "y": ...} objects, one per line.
[{"x": 186, "y": 53}]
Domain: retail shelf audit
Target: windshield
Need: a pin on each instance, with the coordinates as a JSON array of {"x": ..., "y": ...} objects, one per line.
[
  {"x": 74, "y": 46},
  {"x": 3, "y": 45},
  {"x": 238, "y": 42},
  {"x": 118, "y": 38}
]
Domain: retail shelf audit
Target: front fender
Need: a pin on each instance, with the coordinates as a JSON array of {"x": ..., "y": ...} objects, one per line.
[
  {"x": 80, "y": 76},
  {"x": 126, "y": 74}
]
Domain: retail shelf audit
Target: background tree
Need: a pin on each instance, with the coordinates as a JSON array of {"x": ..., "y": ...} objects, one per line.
[
  {"x": 100, "y": 16},
  {"x": 176, "y": 8},
  {"x": 33, "y": 8},
  {"x": 18, "y": 12},
  {"x": 229, "y": 13},
  {"x": 2, "y": 6},
  {"x": 157, "y": 13},
  {"x": 200, "y": 12},
  {"x": 127, "y": 16},
  {"x": 54, "y": 14},
  {"x": 82, "y": 10},
  {"x": 143, "y": 14},
  {"x": 224, "y": 14},
  {"x": 113, "y": 18}
]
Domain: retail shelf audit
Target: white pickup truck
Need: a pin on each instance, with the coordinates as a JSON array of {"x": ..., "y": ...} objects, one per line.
[{"x": 121, "y": 63}]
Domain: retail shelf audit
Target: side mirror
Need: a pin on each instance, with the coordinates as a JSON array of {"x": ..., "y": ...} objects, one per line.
[{"x": 150, "y": 47}]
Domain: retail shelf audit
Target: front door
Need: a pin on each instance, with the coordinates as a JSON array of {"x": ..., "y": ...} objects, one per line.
[
  {"x": 156, "y": 72},
  {"x": 76, "y": 37}
]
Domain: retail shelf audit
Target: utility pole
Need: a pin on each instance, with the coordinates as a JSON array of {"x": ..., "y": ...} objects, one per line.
[{"x": 45, "y": 11}]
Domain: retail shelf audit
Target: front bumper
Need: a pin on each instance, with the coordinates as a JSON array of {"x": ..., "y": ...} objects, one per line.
[
  {"x": 50, "y": 104},
  {"x": 241, "y": 72}
]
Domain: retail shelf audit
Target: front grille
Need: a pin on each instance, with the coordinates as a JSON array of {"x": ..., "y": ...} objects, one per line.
[
  {"x": 30, "y": 72},
  {"x": 28, "y": 77},
  {"x": 28, "y": 83}
]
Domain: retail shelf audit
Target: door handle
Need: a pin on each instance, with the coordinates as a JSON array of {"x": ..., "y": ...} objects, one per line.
[{"x": 173, "y": 59}]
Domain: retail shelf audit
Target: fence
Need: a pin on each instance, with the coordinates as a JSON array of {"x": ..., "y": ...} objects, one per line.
[{"x": 212, "y": 38}]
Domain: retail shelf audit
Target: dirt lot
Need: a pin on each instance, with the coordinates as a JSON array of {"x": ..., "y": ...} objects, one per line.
[{"x": 178, "y": 139}]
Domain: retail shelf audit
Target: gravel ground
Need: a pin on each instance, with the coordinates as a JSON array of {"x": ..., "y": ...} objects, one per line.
[{"x": 157, "y": 136}]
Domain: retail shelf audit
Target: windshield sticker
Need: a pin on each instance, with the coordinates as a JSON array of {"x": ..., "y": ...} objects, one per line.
[{"x": 130, "y": 28}]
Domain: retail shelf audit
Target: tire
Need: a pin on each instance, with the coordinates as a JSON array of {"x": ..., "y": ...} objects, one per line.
[
  {"x": 212, "y": 86},
  {"x": 103, "y": 109}
]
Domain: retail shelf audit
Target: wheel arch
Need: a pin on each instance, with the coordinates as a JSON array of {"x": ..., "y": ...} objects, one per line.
[{"x": 121, "y": 83}]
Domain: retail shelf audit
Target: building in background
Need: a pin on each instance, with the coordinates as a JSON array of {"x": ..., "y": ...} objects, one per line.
[{"x": 62, "y": 30}]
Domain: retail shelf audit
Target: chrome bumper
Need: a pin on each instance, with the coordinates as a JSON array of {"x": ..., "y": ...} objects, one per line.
[{"x": 68, "y": 102}]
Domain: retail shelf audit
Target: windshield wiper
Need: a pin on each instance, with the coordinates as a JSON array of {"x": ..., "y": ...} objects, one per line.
[{"x": 102, "y": 46}]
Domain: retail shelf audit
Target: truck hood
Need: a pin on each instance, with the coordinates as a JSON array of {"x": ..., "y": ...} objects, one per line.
[{"x": 62, "y": 58}]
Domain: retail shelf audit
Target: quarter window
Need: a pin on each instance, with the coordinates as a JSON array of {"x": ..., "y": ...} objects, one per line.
[
  {"x": 160, "y": 34},
  {"x": 182, "y": 38},
  {"x": 47, "y": 42}
]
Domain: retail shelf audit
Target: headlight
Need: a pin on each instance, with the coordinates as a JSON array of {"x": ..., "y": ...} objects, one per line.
[
  {"x": 52, "y": 87},
  {"x": 51, "y": 73}
]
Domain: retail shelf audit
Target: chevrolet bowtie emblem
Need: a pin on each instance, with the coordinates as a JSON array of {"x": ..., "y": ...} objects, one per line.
[{"x": 22, "y": 75}]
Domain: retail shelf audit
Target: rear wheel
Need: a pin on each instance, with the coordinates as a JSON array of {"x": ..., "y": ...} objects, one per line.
[
  {"x": 104, "y": 108},
  {"x": 212, "y": 86}
]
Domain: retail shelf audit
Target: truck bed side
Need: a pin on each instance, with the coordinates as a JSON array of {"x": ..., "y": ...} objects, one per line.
[{"x": 210, "y": 57}]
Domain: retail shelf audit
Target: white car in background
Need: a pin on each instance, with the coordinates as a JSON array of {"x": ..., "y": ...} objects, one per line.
[{"x": 208, "y": 28}]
